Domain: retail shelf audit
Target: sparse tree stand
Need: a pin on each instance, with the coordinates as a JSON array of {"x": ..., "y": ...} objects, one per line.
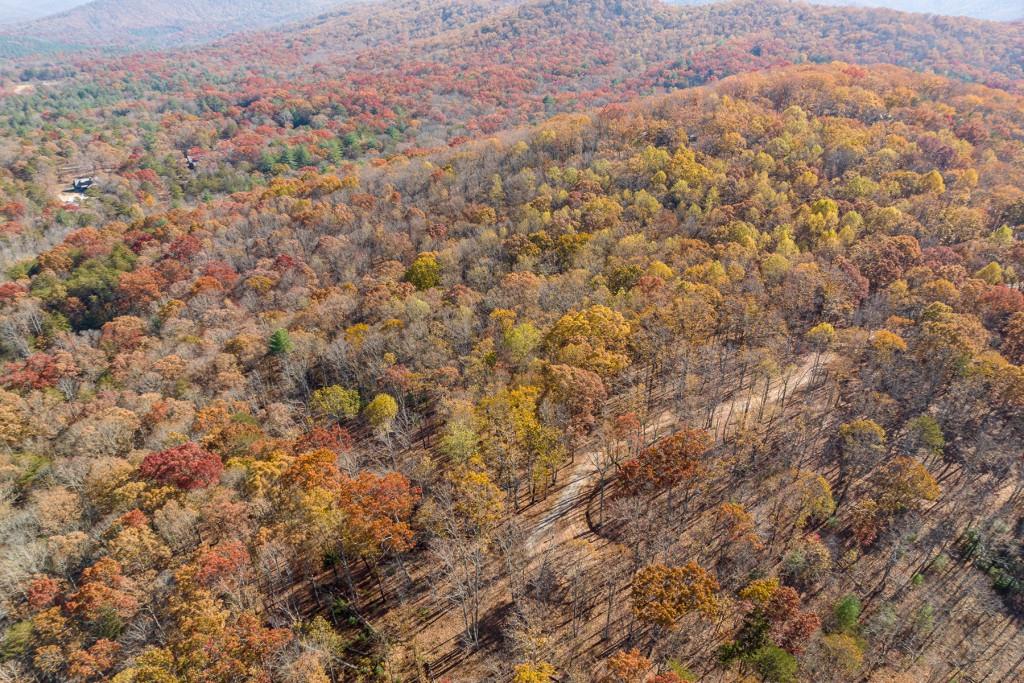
[
  {"x": 463, "y": 560},
  {"x": 618, "y": 439},
  {"x": 517, "y": 444},
  {"x": 820, "y": 338},
  {"x": 380, "y": 414}
]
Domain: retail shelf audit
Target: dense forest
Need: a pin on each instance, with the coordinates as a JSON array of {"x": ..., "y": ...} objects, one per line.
[
  {"x": 464, "y": 70},
  {"x": 595, "y": 340}
]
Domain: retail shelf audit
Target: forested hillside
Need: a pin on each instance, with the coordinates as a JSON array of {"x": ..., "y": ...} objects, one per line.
[
  {"x": 559, "y": 341},
  {"x": 126, "y": 24},
  {"x": 514, "y": 300},
  {"x": 12, "y": 11},
  {"x": 326, "y": 93},
  {"x": 995, "y": 10},
  {"x": 1000, "y": 10}
]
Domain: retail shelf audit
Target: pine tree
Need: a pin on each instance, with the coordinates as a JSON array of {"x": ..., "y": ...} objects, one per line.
[{"x": 280, "y": 342}]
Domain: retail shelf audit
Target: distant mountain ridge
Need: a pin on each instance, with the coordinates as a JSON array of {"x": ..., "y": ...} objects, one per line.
[
  {"x": 997, "y": 10},
  {"x": 14, "y": 11},
  {"x": 679, "y": 46},
  {"x": 144, "y": 24},
  {"x": 148, "y": 24},
  {"x": 993, "y": 10}
]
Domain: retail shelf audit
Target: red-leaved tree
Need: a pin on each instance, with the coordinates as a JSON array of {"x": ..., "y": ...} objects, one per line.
[{"x": 188, "y": 467}]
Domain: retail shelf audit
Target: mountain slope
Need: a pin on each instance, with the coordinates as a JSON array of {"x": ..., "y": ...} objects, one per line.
[
  {"x": 648, "y": 32},
  {"x": 12, "y": 11},
  {"x": 390, "y": 77},
  {"x": 140, "y": 23},
  {"x": 997, "y": 10},
  {"x": 669, "y": 263},
  {"x": 993, "y": 10},
  {"x": 536, "y": 57}
]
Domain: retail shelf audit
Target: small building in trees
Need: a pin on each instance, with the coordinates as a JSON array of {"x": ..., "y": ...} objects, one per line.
[{"x": 82, "y": 184}]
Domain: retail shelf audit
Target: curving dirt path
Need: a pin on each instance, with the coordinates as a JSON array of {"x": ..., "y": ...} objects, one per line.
[
  {"x": 560, "y": 519},
  {"x": 574, "y": 493}
]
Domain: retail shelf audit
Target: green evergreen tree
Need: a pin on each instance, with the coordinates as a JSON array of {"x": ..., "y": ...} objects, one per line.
[{"x": 280, "y": 342}]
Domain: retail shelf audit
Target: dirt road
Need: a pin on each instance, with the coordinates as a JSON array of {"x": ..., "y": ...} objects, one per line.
[{"x": 573, "y": 494}]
